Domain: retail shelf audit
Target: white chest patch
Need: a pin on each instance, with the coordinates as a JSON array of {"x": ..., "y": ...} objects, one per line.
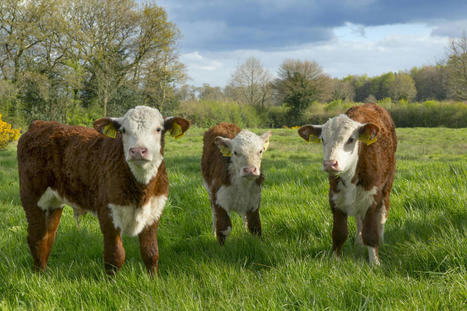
[
  {"x": 241, "y": 196},
  {"x": 132, "y": 220},
  {"x": 353, "y": 200}
]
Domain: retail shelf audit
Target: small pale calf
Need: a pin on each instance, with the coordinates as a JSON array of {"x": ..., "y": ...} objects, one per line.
[{"x": 231, "y": 167}]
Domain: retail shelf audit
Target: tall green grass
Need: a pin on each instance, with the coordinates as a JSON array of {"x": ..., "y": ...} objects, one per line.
[{"x": 424, "y": 257}]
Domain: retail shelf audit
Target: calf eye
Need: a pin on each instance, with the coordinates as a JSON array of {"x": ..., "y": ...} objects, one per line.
[
  {"x": 123, "y": 130},
  {"x": 235, "y": 153},
  {"x": 351, "y": 140},
  {"x": 158, "y": 130},
  {"x": 261, "y": 151}
]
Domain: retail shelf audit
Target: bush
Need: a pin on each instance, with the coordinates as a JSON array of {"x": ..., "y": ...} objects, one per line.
[
  {"x": 7, "y": 134},
  {"x": 427, "y": 114},
  {"x": 208, "y": 113}
]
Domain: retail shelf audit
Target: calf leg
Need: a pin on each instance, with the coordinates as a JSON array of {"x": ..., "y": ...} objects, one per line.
[
  {"x": 114, "y": 253},
  {"x": 148, "y": 247},
  {"x": 370, "y": 232},
  {"x": 42, "y": 227},
  {"x": 223, "y": 224},
  {"x": 339, "y": 231},
  {"x": 358, "y": 237},
  {"x": 253, "y": 222}
]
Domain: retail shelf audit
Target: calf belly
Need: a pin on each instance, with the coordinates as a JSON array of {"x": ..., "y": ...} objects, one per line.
[{"x": 239, "y": 198}]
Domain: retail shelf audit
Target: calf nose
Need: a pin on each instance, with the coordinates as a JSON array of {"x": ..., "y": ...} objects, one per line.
[
  {"x": 330, "y": 165},
  {"x": 138, "y": 152},
  {"x": 250, "y": 171}
]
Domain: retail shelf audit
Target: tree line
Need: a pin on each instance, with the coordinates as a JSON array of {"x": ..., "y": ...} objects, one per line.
[{"x": 299, "y": 84}]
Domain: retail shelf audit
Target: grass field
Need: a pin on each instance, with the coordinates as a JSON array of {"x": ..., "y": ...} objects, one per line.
[{"x": 424, "y": 257}]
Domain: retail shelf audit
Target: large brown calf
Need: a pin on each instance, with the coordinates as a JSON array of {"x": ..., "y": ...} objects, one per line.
[
  {"x": 121, "y": 179},
  {"x": 359, "y": 156}
]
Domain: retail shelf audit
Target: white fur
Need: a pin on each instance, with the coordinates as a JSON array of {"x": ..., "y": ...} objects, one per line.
[
  {"x": 227, "y": 231},
  {"x": 132, "y": 220},
  {"x": 147, "y": 171},
  {"x": 383, "y": 216},
  {"x": 335, "y": 134},
  {"x": 141, "y": 124},
  {"x": 373, "y": 256},
  {"x": 354, "y": 200},
  {"x": 50, "y": 199},
  {"x": 241, "y": 196},
  {"x": 247, "y": 150}
]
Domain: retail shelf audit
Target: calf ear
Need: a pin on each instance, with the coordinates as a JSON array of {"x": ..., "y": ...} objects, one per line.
[
  {"x": 224, "y": 146},
  {"x": 368, "y": 133},
  {"x": 176, "y": 126},
  {"x": 311, "y": 133},
  {"x": 265, "y": 137},
  {"x": 107, "y": 126}
]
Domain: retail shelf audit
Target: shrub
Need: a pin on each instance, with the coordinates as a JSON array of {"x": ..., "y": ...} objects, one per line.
[
  {"x": 208, "y": 113},
  {"x": 7, "y": 134}
]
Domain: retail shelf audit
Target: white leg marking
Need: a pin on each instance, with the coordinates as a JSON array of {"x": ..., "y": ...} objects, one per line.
[
  {"x": 213, "y": 229},
  {"x": 226, "y": 232},
  {"x": 358, "y": 237},
  {"x": 383, "y": 216},
  {"x": 373, "y": 256},
  {"x": 50, "y": 200}
]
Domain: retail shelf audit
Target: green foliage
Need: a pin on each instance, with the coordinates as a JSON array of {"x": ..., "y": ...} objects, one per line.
[
  {"x": 405, "y": 114},
  {"x": 205, "y": 113},
  {"x": 289, "y": 268}
]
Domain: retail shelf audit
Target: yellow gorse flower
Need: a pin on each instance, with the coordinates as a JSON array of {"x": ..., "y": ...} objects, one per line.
[{"x": 7, "y": 134}]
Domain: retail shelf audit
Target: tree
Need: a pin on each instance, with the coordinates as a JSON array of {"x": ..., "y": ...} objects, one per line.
[
  {"x": 19, "y": 33},
  {"x": 402, "y": 87},
  {"x": 299, "y": 84},
  {"x": 343, "y": 90},
  {"x": 457, "y": 68},
  {"x": 210, "y": 93},
  {"x": 251, "y": 84},
  {"x": 117, "y": 41},
  {"x": 431, "y": 82}
]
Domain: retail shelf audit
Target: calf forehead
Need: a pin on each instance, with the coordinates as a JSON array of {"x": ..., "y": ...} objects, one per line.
[
  {"x": 246, "y": 140},
  {"x": 142, "y": 118},
  {"x": 339, "y": 128}
]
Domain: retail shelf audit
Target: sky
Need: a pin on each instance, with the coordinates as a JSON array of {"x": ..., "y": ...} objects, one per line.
[{"x": 343, "y": 36}]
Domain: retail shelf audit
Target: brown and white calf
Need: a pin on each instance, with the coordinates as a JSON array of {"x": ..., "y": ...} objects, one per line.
[
  {"x": 359, "y": 156},
  {"x": 231, "y": 166},
  {"x": 121, "y": 179}
]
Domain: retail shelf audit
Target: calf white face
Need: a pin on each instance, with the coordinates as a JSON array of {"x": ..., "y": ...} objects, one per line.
[
  {"x": 246, "y": 151},
  {"x": 142, "y": 129},
  {"x": 340, "y": 137}
]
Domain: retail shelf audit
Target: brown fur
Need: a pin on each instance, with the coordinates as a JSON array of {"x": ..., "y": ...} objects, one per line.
[
  {"x": 89, "y": 170},
  {"x": 214, "y": 167},
  {"x": 376, "y": 167}
]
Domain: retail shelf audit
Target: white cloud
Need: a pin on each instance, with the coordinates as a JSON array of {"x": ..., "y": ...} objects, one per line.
[{"x": 382, "y": 49}]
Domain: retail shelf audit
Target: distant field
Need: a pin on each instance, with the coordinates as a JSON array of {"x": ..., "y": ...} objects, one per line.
[{"x": 424, "y": 258}]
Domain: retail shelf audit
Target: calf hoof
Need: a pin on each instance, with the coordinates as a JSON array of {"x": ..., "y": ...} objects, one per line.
[
  {"x": 111, "y": 269},
  {"x": 222, "y": 235}
]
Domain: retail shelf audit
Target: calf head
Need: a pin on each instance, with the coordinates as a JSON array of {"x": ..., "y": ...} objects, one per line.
[
  {"x": 340, "y": 137},
  {"x": 142, "y": 131},
  {"x": 246, "y": 150}
]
